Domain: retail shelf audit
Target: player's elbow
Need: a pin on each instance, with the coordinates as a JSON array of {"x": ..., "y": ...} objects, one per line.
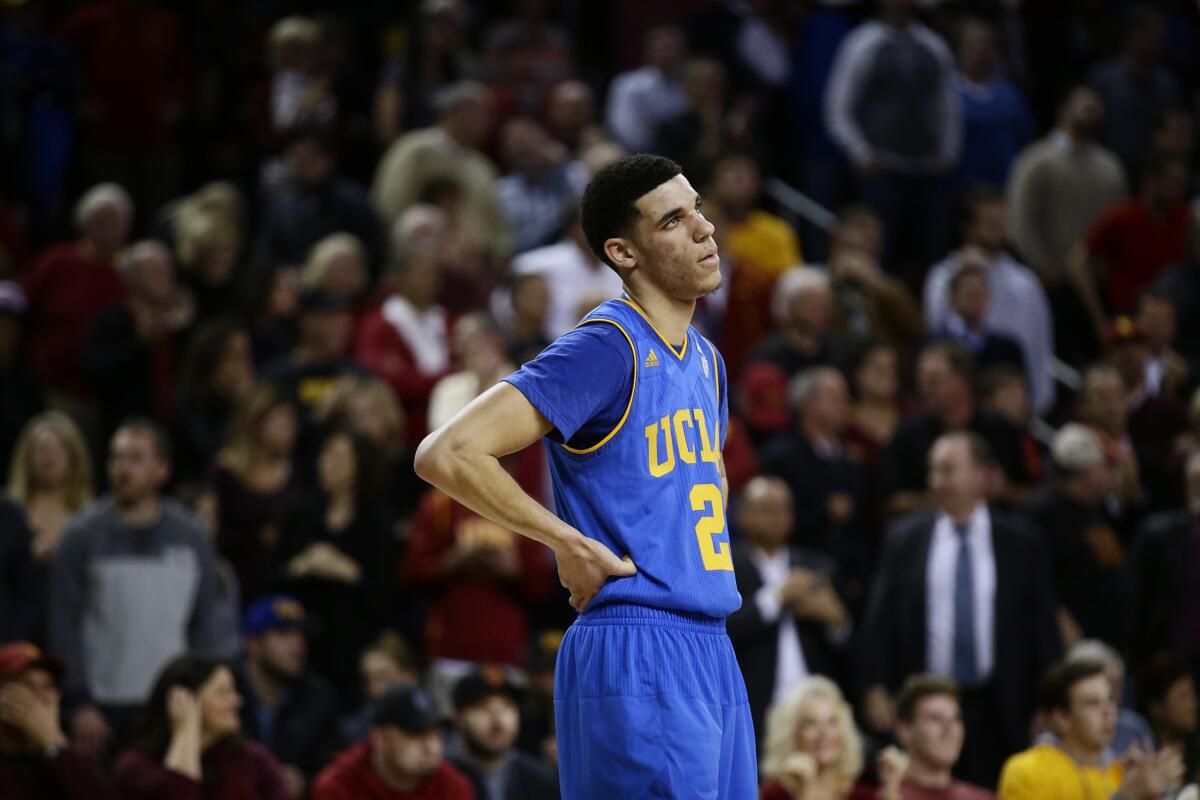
[{"x": 436, "y": 458}]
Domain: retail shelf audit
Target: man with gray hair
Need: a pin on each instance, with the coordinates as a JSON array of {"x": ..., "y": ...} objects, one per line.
[
  {"x": 802, "y": 305},
  {"x": 1091, "y": 574},
  {"x": 68, "y": 287},
  {"x": 449, "y": 151}
]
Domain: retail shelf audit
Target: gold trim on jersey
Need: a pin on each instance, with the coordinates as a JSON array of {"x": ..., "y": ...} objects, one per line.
[
  {"x": 679, "y": 354},
  {"x": 632, "y": 389}
]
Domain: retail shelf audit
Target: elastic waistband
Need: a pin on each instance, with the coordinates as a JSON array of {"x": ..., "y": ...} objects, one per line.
[{"x": 626, "y": 614}]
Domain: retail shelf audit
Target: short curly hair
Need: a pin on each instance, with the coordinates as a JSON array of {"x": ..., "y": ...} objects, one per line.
[{"x": 608, "y": 202}]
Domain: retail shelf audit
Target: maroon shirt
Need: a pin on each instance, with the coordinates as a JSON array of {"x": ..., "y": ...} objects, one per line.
[
  {"x": 351, "y": 777},
  {"x": 232, "y": 771},
  {"x": 70, "y": 775}
]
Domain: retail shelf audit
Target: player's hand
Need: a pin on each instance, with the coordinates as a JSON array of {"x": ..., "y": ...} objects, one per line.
[{"x": 583, "y": 567}]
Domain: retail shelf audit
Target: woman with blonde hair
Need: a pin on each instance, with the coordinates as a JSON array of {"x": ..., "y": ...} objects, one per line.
[
  {"x": 813, "y": 749},
  {"x": 50, "y": 478},
  {"x": 336, "y": 265}
]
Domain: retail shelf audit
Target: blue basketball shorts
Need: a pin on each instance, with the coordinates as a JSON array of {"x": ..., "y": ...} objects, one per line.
[{"x": 651, "y": 704}]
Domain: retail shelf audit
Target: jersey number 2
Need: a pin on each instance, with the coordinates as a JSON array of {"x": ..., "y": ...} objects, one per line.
[{"x": 707, "y": 497}]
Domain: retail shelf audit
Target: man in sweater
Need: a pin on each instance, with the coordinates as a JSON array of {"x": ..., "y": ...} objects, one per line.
[{"x": 132, "y": 584}]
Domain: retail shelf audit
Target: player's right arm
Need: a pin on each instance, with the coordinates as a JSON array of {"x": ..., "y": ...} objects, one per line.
[{"x": 462, "y": 458}]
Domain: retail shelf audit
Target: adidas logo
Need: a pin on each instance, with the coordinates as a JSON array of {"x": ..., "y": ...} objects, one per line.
[{"x": 651, "y": 360}]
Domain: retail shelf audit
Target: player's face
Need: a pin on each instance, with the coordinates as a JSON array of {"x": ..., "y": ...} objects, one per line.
[{"x": 674, "y": 243}]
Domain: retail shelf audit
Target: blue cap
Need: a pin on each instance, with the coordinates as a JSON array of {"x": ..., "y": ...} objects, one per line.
[{"x": 273, "y": 612}]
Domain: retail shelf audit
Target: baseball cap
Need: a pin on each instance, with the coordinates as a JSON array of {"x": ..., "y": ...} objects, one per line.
[
  {"x": 272, "y": 613},
  {"x": 12, "y": 299},
  {"x": 406, "y": 707},
  {"x": 483, "y": 683},
  {"x": 17, "y": 658}
]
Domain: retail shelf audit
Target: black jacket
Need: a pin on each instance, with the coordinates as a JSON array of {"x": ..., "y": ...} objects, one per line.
[
  {"x": 1162, "y": 556},
  {"x": 306, "y": 732},
  {"x": 526, "y": 778}
]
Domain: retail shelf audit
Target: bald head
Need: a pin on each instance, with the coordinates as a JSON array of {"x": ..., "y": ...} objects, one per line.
[{"x": 765, "y": 512}]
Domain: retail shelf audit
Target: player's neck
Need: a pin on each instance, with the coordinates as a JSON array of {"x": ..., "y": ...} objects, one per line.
[{"x": 670, "y": 316}]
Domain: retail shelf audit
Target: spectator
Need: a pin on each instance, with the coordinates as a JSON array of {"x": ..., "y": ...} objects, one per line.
[
  {"x": 292, "y": 711},
  {"x": 826, "y": 486},
  {"x": 1075, "y": 760},
  {"x": 540, "y": 185},
  {"x": 642, "y": 99},
  {"x": 705, "y": 128},
  {"x": 893, "y": 108},
  {"x": 576, "y": 279},
  {"x": 129, "y": 354},
  {"x": 1167, "y": 373},
  {"x": 802, "y": 305},
  {"x": 1091, "y": 572},
  {"x": 311, "y": 201},
  {"x": 449, "y": 150},
  {"x": 217, "y": 377},
  {"x": 487, "y": 718},
  {"x": 386, "y": 662},
  {"x": 964, "y": 592},
  {"x": 525, "y": 333},
  {"x": 1127, "y": 247},
  {"x": 68, "y": 287},
  {"x": 875, "y": 411},
  {"x": 1181, "y": 282},
  {"x": 207, "y": 233},
  {"x": 338, "y": 553},
  {"x": 812, "y": 746},
  {"x": 337, "y": 267},
  {"x": 406, "y": 341},
  {"x": 1132, "y": 729},
  {"x": 402, "y": 759},
  {"x": 792, "y": 623},
  {"x": 750, "y": 235},
  {"x": 967, "y": 324},
  {"x": 945, "y": 380},
  {"x": 997, "y": 124},
  {"x": 20, "y": 392},
  {"x": 1019, "y": 307},
  {"x": 254, "y": 482},
  {"x": 132, "y": 584},
  {"x": 1168, "y": 696},
  {"x": 1135, "y": 87},
  {"x": 300, "y": 91},
  {"x": 36, "y": 760},
  {"x": 479, "y": 348},
  {"x": 187, "y": 744},
  {"x": 571, "y": 115}
]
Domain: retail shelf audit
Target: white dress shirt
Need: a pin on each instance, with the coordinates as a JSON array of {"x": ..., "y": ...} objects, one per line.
[
  {"x": 790, "y": 666},
  {"x": 639, "y": 101},
  {"x": 939, "y": 593},
  {"x": 572, "y": 276}
]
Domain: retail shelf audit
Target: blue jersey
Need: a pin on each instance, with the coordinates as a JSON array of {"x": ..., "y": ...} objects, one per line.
[{"x": 650, "y": 488}]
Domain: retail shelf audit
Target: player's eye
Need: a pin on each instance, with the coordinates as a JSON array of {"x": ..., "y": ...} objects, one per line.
[{"x": 671, "y": 222}]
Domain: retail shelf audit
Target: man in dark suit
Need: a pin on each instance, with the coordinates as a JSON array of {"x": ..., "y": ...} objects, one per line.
[
  {"x": 792, "y": 623},
  {"x": 967, "y": 325},
  {"x": 962, "y": 593}
]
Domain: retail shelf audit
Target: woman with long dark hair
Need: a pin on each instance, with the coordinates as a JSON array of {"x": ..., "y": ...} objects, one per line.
[{"x": 187, "y": 745}]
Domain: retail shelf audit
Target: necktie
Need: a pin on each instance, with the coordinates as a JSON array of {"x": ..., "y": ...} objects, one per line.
[{"x": 966, "y": 668}]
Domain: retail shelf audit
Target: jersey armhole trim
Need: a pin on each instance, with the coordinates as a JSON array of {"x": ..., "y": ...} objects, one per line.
[
  {"x": 632, "y": 390},
  {"x": 716, "y": 385}
]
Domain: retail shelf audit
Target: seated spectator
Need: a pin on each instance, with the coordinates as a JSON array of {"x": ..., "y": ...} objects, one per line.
[
  {"x": 402, "y": 759},
  {"x": 337, "y": 267},
  {"x": 487, "y": 718},
  {"x": 386, "y": 662},
  {"x": 1018, "y": 307},
  {"x": 875, "y": 410},
  {"x": 793, "y": 623},
  {"x": 813, "y": 750},
  {"x": 131, "y": 584},
  {"x": 540, "y": 185},
  {"x": 68, "y": 287},
  {"x": 525, "y": 333},
  {"x": 479, "y": 349},
  {"x": 1168, "y": 697},
  {"x": 217, "y": 377},
  {"x": 802, "y": 305},
  {"x": 187, "y": 746},
  {"x": 1092, "y": 580},
  {"x": 129, "y": 353},
  {"x": 208, "y": 238},
  {"x": 929, "y": 726},
  {"x": 36, "y": 760},
  {"x": 338, "y": 555},
  {"x": 967, "y": 323},
  {"x": 1074, "y": 762},
  {"x": 945, "y": 375},
  {"x": 750, "y": 235},
  {"x": 254, "y": 482},
  {"x": 1127, "y": 247},
  {"x": 1132, "y": 729},
  {"x": 292, "y": 711},
  {"x": 20, "y": 391},
  {"x": 641, "y": 99}
]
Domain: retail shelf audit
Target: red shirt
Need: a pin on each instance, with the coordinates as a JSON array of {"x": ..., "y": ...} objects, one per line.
[
  {"x": 231, "y": 771},
  {"x": 351, "y": 777},
  {"x": 1135, "y": 246},
  {"x": 67, "y": 289}
]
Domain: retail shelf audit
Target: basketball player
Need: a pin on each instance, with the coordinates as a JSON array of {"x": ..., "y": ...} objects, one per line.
[{"x": 649, "y": 701}]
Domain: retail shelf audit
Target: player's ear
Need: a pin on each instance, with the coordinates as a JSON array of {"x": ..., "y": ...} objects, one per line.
[{"x": 620, "y": 252}]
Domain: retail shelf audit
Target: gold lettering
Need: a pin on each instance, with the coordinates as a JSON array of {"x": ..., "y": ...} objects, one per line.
[
  {"x": 685, "y": 450},
  {"x": 707, "y": 453},
  {"x": 657, "y": 468}
]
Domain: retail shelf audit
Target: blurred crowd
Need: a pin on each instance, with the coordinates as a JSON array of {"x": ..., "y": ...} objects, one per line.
[{"x": 251, "y": 253}]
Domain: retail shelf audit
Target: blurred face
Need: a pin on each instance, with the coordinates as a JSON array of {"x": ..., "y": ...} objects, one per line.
[
  {"x": 665, "y": 49},
  {"x": 309, "y": 163},
  {"x": 765, "y": 512},
  {"x": 956, "y": 481},
  {"x": 219, "y": 705},
  {"x": 1130, "y": 359},
  {"x": 136, "y": 470},
  {"x": 154, "y": 278},
  {"x": 368, "y": 418},
  {"x": 472, "y": 121},
  {"x": 233, "y": 375},
  {"x": 830, "y": 404},
  {"x": 939, "y": 385},
  {"x": 989, "y": 226},
  {"x": 736, "y": 184},
  {"x": 107, "y": 228},
  {"x": 1011, "y": 400},
  {"x": 524, "y": 145},
  {"x": 531, "y": 298},
  {"x": 1104, "y": 400},
  {"x": 977, "y": 51},
  {"x": 819, "y": 732},
  {"x": 811, "y": 310},
  {"x": 347, "y": 274},
  {"x": 861, "y": 234},
  {"x": 380, "y": 673},
  {"x": 277, "y": 430},
  {"x": 490, "y": 726},
  {"x": 571, "y": 106},
  {"x": 1179, "y": 706},
  {"x": 218, "y": 263},
  {"x": 49, "y": 458},
  {"x": 877, "y": 377},
  {"x": 284, "y": 296},
  {"x": 935, "y": 735},
  {"x": 409, "y": 755},
  {"x": 1092, "y": 716},
  {"x": 970, "y": 298},
  {"x": 1156, "y": 318},
  {"x": 326, "y": 333},
  {"x": 282, "y": 652},
  {"x": 337, "y": 466},
  {"x": 673, "y": 242},
  {"x": 705, "y": 81}
]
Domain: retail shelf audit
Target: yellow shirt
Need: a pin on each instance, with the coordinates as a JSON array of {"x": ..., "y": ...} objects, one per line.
[
  {"x": 764, "y": 240},
  {"x": 1046, "y": 772}
]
